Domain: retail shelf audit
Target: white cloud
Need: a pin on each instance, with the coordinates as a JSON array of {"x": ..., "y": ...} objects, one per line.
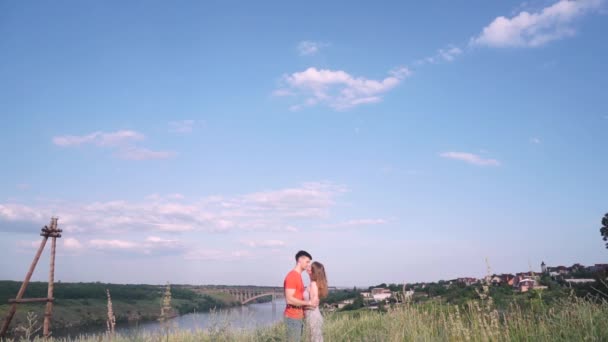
[
  {"x": 309, "y": 200},
  {"x": 356, "y": 223},
  {"x": 310, "y": 48},
  {"x": 291, "y": 229},
  {"x": 112, "y": 244},
  {"x": 72, "y": 244},
  {"x": 19, "y": 212},
  {"x": 122, "y": 142},
  {"x": 338, "y": 89},
  {"x": 296, "y": 108},
  {"x": 139, "y": 153},
  {"x": 176, "y": 196},
  {"x": 182, "y": 127},
  {"x": 450, "y": 53},
  {"x": 341, "y": 90},
  {"x": 99, "y": 138},
  {"x": 158, "y": 240},
  {"x": 470, "y": 158},
  {"x": 535, "y": 140},
  {"x": 209, "y": 254},
  {"x": 447, "y": 54},
  {"x": 270, "y": 210},
  {"x": 265, "y": 244},
  {"x": 535, "y": 29},
  {"x": 28, "y": 244},
  {"x": 152, "y": 245},
  {"x": 216, "y": 255}
]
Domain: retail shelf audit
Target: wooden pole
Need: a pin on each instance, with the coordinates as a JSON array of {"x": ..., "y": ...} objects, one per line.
[
  {"x": 46, "y": 233},
  {"x": 23, "y": 287},
  {"x": 49, "y": 305}
]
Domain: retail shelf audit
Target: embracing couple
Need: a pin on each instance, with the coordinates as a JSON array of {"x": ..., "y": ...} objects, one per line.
[{"x": 303, "y": 302}]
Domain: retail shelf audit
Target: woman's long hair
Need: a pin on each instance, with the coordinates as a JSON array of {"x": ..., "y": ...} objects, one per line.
[{"x": 318, "y": 275}]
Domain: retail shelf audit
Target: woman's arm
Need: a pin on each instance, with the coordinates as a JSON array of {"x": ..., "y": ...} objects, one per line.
[{"x": 314, "y": 293}]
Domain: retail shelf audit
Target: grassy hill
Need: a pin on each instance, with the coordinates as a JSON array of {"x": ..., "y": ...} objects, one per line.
[{"x": 570, "y": 319}]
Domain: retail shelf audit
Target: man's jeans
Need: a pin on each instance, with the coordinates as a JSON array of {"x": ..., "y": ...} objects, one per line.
[{"x": 294, "y": 329}]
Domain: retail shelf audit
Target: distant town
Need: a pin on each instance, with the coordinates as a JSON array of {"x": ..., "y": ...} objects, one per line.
[{"x": 551, "y": 278}]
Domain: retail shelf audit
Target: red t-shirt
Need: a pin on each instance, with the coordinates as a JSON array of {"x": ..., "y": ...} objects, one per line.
[{"x": 293, "y": 280}]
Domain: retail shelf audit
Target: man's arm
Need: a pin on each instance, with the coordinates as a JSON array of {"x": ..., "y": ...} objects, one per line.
[{"x": 292, "y": 300}]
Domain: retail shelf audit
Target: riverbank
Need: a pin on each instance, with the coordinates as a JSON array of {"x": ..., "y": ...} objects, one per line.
[
  {"x": 571, "y": 319},
  {"x": 85, "y": 304}
]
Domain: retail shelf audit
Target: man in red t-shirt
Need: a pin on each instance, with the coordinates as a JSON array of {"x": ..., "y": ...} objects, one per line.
[{"x": 294, "y": 296}]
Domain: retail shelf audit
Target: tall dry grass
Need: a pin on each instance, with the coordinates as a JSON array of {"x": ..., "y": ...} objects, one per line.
[{"x": 571, "y": 319}]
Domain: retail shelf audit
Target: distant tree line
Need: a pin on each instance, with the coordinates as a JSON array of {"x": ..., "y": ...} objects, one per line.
[
  {"x": 338, "y": 296},
  {"x": 187, "y": 300}
]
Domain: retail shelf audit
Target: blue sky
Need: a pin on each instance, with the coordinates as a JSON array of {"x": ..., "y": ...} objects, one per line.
[{"x": 206, "y": 142}]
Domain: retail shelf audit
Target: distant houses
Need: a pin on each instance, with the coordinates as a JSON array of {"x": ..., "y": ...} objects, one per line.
[
  {"x": 345, "y": 303},
  {"x": 468, "y": 281},
  {"x": 526, "y": 281},
  {"x": 573, "y": 275},
  {"x": 576, "y": 268},
  {"x": 503, "y": 279},
  {"x": 380, "y": 294},
  {"x": 393, "y": 294}
]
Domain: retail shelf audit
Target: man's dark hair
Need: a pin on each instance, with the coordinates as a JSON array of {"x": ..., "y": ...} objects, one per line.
[{"x": 303, "y": 253}]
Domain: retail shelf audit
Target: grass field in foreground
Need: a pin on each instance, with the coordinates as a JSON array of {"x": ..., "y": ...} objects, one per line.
[{"x": 571, "y": 319}]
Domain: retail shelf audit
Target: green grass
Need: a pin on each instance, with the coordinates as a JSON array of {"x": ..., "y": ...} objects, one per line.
[{"x": 570, "y": 319}]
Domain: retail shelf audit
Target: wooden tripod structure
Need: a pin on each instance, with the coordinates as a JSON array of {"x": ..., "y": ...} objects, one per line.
[{"x": 50, "y": 231}]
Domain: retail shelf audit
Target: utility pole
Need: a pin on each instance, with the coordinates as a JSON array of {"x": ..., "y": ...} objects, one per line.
[{"x": 50, "y": 231}]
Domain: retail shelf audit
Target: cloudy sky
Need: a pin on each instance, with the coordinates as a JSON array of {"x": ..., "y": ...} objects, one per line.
[{"x": 206, "y": 142}]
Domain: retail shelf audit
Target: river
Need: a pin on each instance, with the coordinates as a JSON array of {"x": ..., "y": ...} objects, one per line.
[{"x": 246, "y": 317}]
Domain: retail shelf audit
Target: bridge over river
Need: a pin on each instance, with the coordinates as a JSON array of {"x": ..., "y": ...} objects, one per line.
[{"x": 243, "y": 294}]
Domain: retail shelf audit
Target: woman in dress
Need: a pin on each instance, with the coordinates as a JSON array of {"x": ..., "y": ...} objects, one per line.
[{"x": 316, "y": 290}]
